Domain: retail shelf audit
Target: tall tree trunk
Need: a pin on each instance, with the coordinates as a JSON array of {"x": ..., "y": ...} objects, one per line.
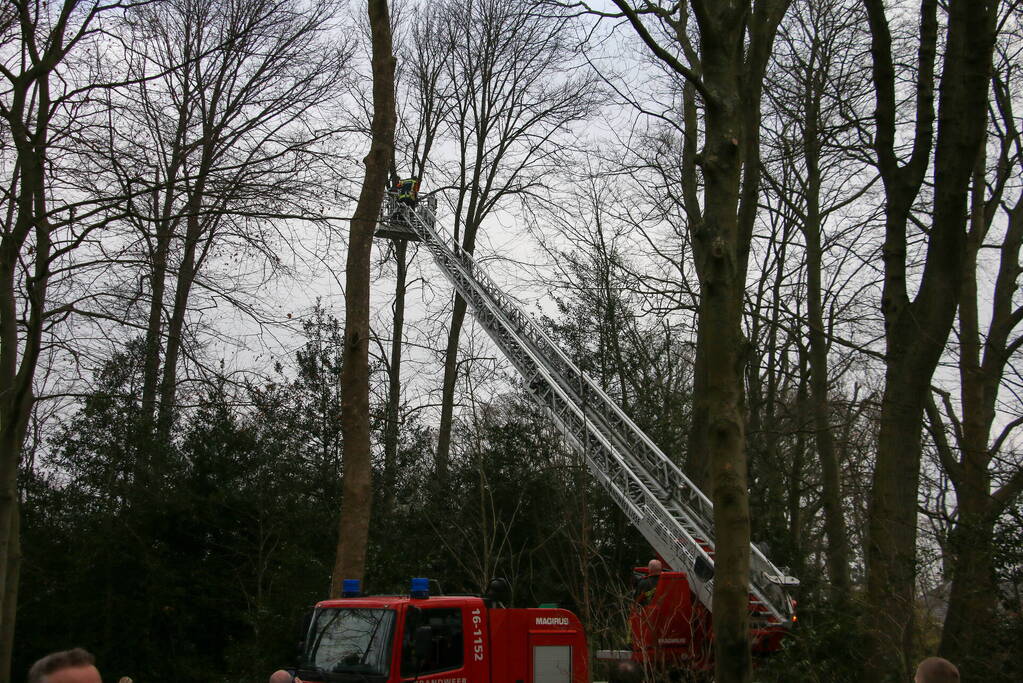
[
  {"x": 697, "y": 453},
  {"x": 729, "y": 77},
  {"x": 721, "y": 347},
  {"x": 394, "y": 375},
  {"x": 831, "y": 483},
  {"x": 965, "y": 636},
  {"x": 154, "y": 325},
  {"x": 982, "y": 361},
  {"x": 18, "y": 331},
  {"x": 357, "y": 490},
  {"x": 447, "y": 407},
  {"x": 916, "y": 330},
  {"x": 733, "y": 79},
  {"x": 761, "y": 406},
  {"x": 837, "y": 552},
  {"x": 447, "y": 401},
  {"x": 10, "y": 603},
  {"x": 891, "y": 544},
  {"x": 163, "y": 208},
  {"x": 48, "y": 31},
  {"x": 468, "y": 245},
  {"x": 12, "y": 397},
  {"x": 158, "y": 287},
  {"x": 794, "y": 499},
  {"x": 185, "y": 279},
  {"x": 498, "y": 93}
]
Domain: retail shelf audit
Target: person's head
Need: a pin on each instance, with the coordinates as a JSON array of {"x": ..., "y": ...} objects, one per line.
[
  {"x": 654, "y": 568},
  {"x": 69, "y": 666},
  {"x": 281, "y": 676},
  {"x": 936, "y": 670}
]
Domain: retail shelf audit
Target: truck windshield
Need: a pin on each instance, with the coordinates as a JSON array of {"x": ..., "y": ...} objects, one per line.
[{"x": 351, "y": 640}]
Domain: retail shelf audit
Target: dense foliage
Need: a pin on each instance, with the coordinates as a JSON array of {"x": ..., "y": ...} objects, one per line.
[{"x": 195, "y": 561}]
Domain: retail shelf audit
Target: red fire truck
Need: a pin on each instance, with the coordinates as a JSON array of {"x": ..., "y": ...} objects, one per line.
[
  {"x": 448, "y": 638},
  {"x": 472, "y": 639}
]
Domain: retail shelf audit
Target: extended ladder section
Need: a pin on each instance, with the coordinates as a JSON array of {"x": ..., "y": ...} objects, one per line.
[{"x": 674, "y": 516}]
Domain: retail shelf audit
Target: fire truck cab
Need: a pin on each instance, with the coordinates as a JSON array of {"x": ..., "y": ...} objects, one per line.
[{"x": 449, "y": 639}]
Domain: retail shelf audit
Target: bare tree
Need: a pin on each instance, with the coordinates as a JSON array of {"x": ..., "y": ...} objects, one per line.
[
  {"x": 219, "y": 145},
  {"x": 728, "y": 77},
  {"x": 817, "y": 91},
  {"x": 423, "y": 108},
  {"x": 514, "y": 92},
  {"x": 771, "y": 372},
  {"x": 916, "y": 329},
  {"x": 974, "y": 440},
  {"x": 43, "y": 106}
]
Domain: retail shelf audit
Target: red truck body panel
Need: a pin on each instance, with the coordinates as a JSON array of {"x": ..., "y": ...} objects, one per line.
[
  {"x": 525, "y": 641},
  {"x": 673, "y": 631}
]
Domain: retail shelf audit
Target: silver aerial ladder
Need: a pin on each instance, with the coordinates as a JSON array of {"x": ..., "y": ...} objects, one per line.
[{"x": 674, "y": 516}]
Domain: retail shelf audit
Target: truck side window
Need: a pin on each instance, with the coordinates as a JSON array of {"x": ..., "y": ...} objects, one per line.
[{"x": 444, "y": 652}]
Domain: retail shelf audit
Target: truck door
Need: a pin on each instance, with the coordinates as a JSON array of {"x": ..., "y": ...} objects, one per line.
[
  {"x": 552, "y": 655},
  {"x": 434, "y": 646}
]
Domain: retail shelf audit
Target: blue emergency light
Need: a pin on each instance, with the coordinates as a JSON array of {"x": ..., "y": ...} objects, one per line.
[
  {"x": 351, "y": 588},
  {"x": 420, "y": 589}
]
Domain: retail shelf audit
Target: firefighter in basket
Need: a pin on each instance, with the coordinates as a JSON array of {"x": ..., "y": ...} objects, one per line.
[
  {"x": 408, "y": 191},
  {"x": 403, "y": 191}
]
